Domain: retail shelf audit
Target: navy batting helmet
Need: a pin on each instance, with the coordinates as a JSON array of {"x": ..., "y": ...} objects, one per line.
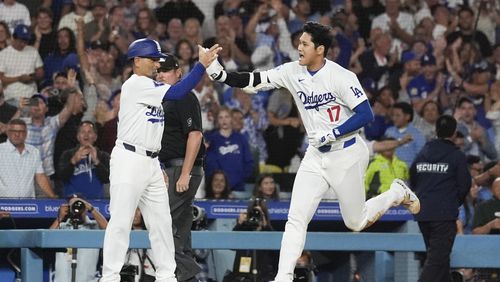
[{"x": 145, "y": 47}]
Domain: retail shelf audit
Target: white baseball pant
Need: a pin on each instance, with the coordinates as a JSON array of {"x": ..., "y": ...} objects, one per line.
[
  {"x": 343, "y": 171},
  {"x": 137, "y": 180}
]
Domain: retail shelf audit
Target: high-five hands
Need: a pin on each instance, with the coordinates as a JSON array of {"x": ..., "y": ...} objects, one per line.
[{"x": 206, "y": 57}]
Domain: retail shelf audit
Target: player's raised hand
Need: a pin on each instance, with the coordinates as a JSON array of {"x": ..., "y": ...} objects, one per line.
[{"x": 206, "y": 57}]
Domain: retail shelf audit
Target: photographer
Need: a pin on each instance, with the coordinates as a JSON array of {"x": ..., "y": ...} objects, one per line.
[
  {"x": 487, "y": 216},
  {"x": 73, "y": 215},
  {"x": 248, "y": 262}
]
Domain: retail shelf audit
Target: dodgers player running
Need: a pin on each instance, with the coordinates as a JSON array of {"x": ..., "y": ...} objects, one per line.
[
  {"x": 135, "y": 174},
  {"x": 333, "y": 108}
]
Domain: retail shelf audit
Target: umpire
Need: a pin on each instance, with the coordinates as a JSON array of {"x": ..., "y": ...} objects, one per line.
[
  {"x": 441, "y": 180},
  {"x": 182, "y": 152}
]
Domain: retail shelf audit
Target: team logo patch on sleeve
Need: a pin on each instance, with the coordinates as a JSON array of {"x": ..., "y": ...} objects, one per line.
[
  {"x": 189, "y": 122},
  {"x": 358, "y": 93}
]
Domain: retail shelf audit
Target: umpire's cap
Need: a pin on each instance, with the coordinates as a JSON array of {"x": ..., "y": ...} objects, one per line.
[
  {"x": 170, "y": 63},
  {"x": 146, "y": 48}
]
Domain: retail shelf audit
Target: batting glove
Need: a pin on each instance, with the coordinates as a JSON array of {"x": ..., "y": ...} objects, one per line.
[
  {"x": 214, "y": 70},
  {"x": 319, "y": 140}
]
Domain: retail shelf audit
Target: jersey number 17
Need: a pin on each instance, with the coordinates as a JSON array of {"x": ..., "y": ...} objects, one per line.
[{"x": 334, "y": 113}]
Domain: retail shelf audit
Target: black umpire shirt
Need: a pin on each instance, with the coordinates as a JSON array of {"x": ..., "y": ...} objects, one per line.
[
  {"x": 181, "y": 117},
  {"x": 440, "y": 178}
]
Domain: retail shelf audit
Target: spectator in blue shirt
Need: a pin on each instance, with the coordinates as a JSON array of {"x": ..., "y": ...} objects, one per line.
[
  {"x": 402, "y": 116},
  {"x": 427, "y": 85},
  {"x": 85, "y": 169},
  {"x": 229, "y": 151}
]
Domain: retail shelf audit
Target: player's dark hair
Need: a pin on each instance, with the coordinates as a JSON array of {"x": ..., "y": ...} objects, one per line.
[
  {"x": 406, "y": 108},
  {"x": 446, "y": 126},
  {"x": 320, "y": 35},
  {"x": 463, "y": 100}
]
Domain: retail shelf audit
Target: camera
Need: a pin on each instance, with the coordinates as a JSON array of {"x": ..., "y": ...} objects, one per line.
[
  {"x": 254, "y": 215},
  {"x": 33, "y": 102},
  {"x": 76, "y": 210},
  {"x": 128, "y": 272},
  {"x": 199, "y": 218}
]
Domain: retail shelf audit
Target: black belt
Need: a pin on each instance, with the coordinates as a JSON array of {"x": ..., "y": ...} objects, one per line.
[
  {"x": 180, "y": 162},
  {"x": 132, "y": 148}
]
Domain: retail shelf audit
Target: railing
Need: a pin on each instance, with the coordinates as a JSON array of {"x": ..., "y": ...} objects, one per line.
[{"x": 478, "y": 251}]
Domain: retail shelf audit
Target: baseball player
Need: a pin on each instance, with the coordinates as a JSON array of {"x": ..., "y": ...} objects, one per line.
[
  {"x": 135, "y": 174},
  {"x": 333, "y": 108}
]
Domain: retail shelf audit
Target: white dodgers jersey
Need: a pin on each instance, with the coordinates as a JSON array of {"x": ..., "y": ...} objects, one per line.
[
  {"x": 140, "y": 119},
  {"x": 326, "y": 99}
]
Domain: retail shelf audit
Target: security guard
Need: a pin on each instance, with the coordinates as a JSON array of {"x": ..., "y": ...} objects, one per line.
[{"x": 440, "y": 178}]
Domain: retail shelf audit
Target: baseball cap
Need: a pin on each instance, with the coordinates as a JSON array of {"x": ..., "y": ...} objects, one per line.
[
  {"x": 22, "y": 32},
  {"x": 408, "y": 56},
  {"x": 427, "y": 60},
  {"x": 168, "y": 63},
  {"x": 481, "y": 66},
  {"x": 41, "y": 97}
]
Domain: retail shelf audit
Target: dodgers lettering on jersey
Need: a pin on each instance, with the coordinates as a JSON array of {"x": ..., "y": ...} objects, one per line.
[
  {"x": 326, "y": 99},
  {"x": 313, "y": 101},
  {"x": 141, "y": 117},
  {"x": 155, "y": 114}
]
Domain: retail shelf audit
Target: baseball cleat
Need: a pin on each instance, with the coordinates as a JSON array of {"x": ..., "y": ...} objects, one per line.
[{"x": 410, "y": 200}]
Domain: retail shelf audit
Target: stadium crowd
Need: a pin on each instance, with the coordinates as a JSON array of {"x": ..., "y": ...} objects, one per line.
[{"x": 62, "y": 64}]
